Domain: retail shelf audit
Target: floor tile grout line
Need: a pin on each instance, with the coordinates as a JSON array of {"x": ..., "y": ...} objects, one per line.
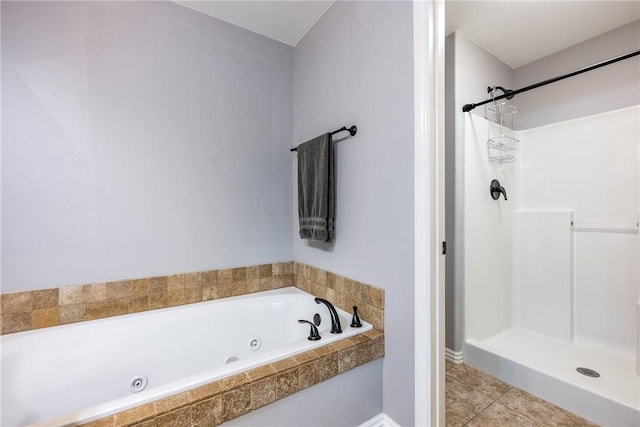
[
  {"x": 493, "y": 400},
  {"x": 478, "y": 414},
  {"x": 487, "y": 407},
  {"x": 508, "y": 390}
]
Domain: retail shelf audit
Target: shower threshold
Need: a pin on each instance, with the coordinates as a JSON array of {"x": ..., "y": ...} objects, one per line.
[{"x": 546, "y": 367}]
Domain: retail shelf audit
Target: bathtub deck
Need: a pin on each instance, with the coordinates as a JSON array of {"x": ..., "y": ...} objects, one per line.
[
  {"x": 222, "y": 400},
  {"x": 547, "y": 367}
]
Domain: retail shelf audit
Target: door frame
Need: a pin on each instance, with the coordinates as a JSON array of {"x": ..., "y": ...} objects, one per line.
[{"x": 429, "y": 231}]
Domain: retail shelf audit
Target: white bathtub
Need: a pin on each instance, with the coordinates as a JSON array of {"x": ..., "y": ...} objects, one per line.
[{"x": 81, "y": 372}]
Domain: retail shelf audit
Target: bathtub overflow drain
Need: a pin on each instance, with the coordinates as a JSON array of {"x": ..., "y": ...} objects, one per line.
[
  {"x": 231, "y": 359},
  {"x": 255, "y": 344},
  {"x": 588, "y": 372},
  {"x": 138, "y": 383}
]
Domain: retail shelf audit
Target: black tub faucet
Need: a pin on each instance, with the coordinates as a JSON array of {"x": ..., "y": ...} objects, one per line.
[{"x": 335, "y": 319}]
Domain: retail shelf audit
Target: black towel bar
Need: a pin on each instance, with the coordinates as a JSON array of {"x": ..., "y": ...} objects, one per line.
[{"x": 352, "y": 131}]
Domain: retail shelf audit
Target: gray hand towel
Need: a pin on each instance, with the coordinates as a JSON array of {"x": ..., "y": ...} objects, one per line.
[{"x": 316, "y": 189}]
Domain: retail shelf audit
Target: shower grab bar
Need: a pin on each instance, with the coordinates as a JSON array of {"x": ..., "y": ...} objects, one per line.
[
  {"x": 605, "y": 228},
  {"x": 352, "y": 131},
  {"x": 511, "y": 93}
]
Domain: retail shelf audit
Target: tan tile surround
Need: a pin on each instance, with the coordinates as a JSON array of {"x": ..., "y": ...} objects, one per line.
[
  {"x": 23, "y": 311},
  {"x": 229, "y": 398},
  {"x": 343, "y": 292},
  {"x": 223, "y": 400}
]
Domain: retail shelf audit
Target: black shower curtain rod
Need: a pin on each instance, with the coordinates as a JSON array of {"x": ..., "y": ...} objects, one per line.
[
  {"x": 352, "y": 131},
  {"x": 510, "y": 93}
]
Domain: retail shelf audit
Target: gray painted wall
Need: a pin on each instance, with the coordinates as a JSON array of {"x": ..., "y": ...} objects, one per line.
[
  {"x": 355, "y": 66},
  {"x": 453, "y": 300},
  {"x": 140, "y": 139},
  {"x": 475, "y": 70},
  {"x": 609, "y": 88},
  {"x": 346, "y": 400},
  {"x": 469, "y": 70}
]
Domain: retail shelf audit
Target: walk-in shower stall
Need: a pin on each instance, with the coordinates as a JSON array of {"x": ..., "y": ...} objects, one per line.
[{"x": 550, "y": 247}]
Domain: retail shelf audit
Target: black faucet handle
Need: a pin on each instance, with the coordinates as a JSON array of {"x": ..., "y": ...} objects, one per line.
[
  {"x": 495, "y": 189},
  {"x": 313, "y": 333},
  {"x": 355, "y": 321}
]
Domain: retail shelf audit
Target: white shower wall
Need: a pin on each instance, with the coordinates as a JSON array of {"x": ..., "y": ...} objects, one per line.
[
  {"x": 542, "y": 253},
  {"x": 588, "y": 166},
  {"x": 487, "y": 235},
  {"x": 525, "y": 266}
]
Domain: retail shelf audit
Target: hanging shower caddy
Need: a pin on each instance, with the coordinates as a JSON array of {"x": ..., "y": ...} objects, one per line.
[{"x": 501, "y": 116}]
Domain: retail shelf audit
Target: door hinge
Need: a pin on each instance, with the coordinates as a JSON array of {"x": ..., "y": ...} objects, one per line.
[{"x": 444, "y": 248}]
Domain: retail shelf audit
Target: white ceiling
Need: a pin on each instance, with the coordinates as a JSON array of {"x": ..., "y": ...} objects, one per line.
[
  {"x": 284, "y": 21},
  {"x": 519, "y": 32},
  {"x": 515, "y": 31}
]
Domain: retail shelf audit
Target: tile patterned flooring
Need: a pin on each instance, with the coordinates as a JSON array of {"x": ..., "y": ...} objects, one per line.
[{"x": 475, "y": 399}]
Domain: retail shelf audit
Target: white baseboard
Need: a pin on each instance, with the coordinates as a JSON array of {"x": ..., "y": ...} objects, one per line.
[
  {"x": 453, "y": 356},
  {"x": 380, "y": 420}
]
